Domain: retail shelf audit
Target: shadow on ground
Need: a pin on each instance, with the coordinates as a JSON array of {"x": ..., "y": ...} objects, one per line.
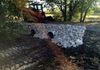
[{"x": 32, "y": 54}]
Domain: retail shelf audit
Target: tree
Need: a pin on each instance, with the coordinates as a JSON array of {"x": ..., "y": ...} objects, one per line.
[
  {"x": 70, "y": 8},
  {"x": 62, "y": 5},
  {"x": 67, "y": 7},
  {"x": 9, "y": 28},
  {"x": 84, "y": 8}
]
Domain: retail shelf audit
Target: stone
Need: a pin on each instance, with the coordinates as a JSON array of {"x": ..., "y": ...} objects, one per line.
[{"x": 66, "y": 34}]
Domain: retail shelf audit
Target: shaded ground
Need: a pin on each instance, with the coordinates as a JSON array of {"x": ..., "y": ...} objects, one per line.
[
  {"x": 87, "y": 56},
  {"x": 32, "y": 54}
]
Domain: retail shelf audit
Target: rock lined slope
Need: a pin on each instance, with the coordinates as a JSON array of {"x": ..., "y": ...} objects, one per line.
[{"x": 66, "y": 34}]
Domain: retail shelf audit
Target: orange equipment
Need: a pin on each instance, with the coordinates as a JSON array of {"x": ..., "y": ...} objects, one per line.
[{"x": 34, "y": 14}]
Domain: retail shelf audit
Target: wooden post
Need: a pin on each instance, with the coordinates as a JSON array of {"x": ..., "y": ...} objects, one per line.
[{"x": 65, "y": 10}]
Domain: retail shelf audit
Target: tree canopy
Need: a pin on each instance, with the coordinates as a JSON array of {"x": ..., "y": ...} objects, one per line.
[
  {"x": 9, "y": 25},
  {"x": 70, "y": 8}
]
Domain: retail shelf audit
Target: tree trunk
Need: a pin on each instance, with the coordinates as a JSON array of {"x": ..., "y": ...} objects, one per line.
[
  {"x": 84, "y": 13},
  {"x": 81, "y": 17},
  {"x": 70, "y": 12},
  {"x": 65, "y": 10},
  {"x": 62, "y": 11},
  {"x": 70, "y": 16}
]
